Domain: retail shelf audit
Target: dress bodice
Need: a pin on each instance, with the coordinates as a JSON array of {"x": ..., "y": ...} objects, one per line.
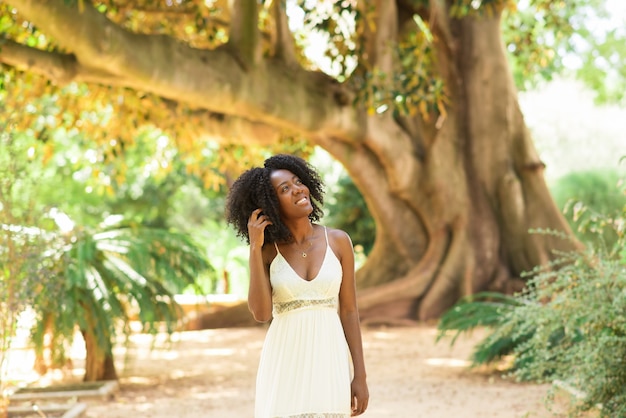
[{"x": 290, "y": 291}]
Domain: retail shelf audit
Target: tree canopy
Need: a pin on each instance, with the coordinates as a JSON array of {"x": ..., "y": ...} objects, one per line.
[{"x": 201, "y": 70}]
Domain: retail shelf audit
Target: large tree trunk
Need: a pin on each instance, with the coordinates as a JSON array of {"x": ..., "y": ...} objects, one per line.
[
  {"x": 453, "y": 198},
  {"x": 454, "y": 205}
]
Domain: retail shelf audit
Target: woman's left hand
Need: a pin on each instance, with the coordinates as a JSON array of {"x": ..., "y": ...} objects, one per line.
[{"x": 360, "y": 396}]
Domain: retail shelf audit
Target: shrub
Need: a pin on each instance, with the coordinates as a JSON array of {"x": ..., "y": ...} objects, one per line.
[
  {"x": 484, "y": 309},
  {"x": 569, "y": 323},
  {"x": 586, "y": 197},
  {"x": 578, "y": 331}
]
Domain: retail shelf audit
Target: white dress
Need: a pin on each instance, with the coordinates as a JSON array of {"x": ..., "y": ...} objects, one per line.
[{"x": 305, "y": 368}]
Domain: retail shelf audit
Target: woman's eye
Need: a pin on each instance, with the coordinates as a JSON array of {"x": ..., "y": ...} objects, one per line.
[
  {"x": 298, "y": 181},
  {"x": 285, "y": 188}
]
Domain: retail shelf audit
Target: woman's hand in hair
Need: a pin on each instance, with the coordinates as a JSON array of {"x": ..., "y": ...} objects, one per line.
[{"x": 257, "y": 222}]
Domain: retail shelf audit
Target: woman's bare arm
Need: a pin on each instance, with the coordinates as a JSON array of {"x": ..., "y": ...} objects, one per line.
[
  {"x": 349, "y": 315},
  {"x": 259, "y": 290}
]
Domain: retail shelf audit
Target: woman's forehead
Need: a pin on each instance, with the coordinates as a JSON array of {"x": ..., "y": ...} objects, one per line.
[{"x": 280, "y": 176}]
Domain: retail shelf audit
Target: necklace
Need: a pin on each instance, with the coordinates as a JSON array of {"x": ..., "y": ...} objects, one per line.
[
  {"x": 307, "y": 249},
  {"x": 310, "y": 239},
  {"x": 303, "y": 252}
]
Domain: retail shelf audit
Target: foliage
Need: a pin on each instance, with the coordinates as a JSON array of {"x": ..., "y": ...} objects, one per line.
[
  {"x": 538, "y": 37},
  {"x": 88, "y": 114},
  {"x": 484, "y": 309},
  {"x": 25, "y": 232},
  {"x": 567, "y": 325},
  {"x": 587, "y": 198},
  {"x": 55, "y": 258},
  {"x": 601, "y": 66},
  {"x": 201, "y": 215},
  {"x": 580, "y": 333},
  {"x": 111, "y": 274},
  {"x": 581, "y": 37},
  {"x": 229, "y": 259},
  {"x": 541, "y": 36},
  {"x": 337, "y": 23},
  {"x": 347, "y": 210}
]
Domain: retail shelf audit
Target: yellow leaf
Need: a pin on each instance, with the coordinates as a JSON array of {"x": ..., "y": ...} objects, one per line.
[{"x": 48, "y": 151}]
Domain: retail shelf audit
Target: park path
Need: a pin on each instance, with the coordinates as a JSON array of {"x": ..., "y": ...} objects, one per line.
[{"x": 211, "y": 373}]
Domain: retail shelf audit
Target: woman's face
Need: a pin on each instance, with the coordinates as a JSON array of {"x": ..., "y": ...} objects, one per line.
[{"x": 293, "y": 196}]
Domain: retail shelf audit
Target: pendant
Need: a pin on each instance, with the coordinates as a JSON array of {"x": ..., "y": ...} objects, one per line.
[{"x": 304, "y": 255}]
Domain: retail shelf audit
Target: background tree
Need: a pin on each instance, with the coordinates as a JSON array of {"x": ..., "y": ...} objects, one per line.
[
  {"x": 111, "y": 275},
  {"x": 70, "y": 256},
  {"x": 24, "y": 236},
  {"x": 419, "y": 105}
]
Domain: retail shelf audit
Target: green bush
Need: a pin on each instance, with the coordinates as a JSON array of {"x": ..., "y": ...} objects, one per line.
[
  {"x": 569, "y": 324},
  {"x": 587, "y": 198},
  {"x": 577, "y": 327},
  {"x": 348, "y": 211}
]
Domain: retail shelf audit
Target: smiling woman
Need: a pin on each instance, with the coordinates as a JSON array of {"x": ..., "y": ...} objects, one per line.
[{"x": 302, "y": 276}]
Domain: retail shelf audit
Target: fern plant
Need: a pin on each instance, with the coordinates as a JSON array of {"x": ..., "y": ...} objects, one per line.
[
  {"x": 569, "y": 323},
  {"x": 483, "y": 309}
]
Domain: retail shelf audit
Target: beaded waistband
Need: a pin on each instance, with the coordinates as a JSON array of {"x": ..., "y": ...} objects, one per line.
[
  {"x": 317, "y": 415},
  {"x": 291, "y": 305}
]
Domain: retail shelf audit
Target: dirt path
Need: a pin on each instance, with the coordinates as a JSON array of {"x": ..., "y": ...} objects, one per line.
[{"x": 211, "y": 373}]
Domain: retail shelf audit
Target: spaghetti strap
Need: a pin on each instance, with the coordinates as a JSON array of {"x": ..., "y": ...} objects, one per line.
[
  {"x": 326, "y": 234},
  {"x": 276, "y": 247}
]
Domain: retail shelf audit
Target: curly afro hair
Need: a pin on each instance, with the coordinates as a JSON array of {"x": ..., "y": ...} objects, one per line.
[{"x": 253, "y": 190}]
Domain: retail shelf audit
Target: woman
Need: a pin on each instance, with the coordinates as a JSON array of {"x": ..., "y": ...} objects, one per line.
[{"x": 302, "y": 276}]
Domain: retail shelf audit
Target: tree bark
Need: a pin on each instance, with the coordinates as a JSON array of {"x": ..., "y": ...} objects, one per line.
[
  {"x": 99, "y": 364},
  {"x": 453, "y": 198},
  {"x": 454, "y": 204},
  {"x": 99, "y": 361}
]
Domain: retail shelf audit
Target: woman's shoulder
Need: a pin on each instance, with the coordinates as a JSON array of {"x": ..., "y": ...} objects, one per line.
[
  {"x": 340, "y": 243},
  {"x": 338, "y": 236}
]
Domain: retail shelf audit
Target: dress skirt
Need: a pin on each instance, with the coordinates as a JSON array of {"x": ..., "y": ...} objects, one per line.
[{"x": 305, "y": 369}]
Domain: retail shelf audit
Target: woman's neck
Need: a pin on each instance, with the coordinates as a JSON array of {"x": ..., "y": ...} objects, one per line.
[{"x": 301, "y": 231}]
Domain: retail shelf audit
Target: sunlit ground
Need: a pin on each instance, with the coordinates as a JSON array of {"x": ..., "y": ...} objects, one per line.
[{"x": 211, "y": 373}]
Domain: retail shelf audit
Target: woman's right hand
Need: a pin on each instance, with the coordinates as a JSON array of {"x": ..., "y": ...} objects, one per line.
[{"x": 257, "y": 222}]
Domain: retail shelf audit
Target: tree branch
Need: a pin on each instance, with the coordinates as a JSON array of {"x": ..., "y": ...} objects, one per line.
[
  {"x": 86, "y": 32},
  {"x": 284, "y": 97},
  {"x": 382, "y": 30},
  {"x": 243, "y": 37},
  {"x": 224, "y": 129},
  {"x": 439, "y": 24},
  {"x": 58, "y": 67},
  {"x": 284, "y": 44}
]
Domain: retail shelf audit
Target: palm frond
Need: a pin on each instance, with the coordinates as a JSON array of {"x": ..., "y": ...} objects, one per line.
[
  {"x": 484, "y": 309},
  {"x": 114, "y": 273},
  {"x": 503, "y": 341}
]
